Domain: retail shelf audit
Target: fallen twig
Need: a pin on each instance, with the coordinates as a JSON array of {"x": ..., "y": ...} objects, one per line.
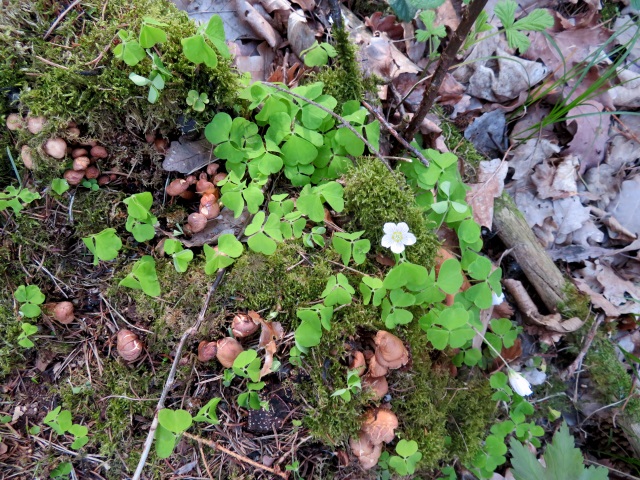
[
  {"x": 172, "y": 374},
  {"x": 59, "y": 19},
  {"x": 571, "y": 369},
  {"x": 396, "y": 135},
  {"x": 342, "y": 121},
  {"x": 237, "y": 456}
]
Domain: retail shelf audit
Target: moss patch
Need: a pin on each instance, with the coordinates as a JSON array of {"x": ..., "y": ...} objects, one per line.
[{"x": 373, "y": 197}]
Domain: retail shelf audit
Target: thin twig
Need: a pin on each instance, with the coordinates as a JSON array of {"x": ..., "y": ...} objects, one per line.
[
  {"x": 59, "y": 19},
  {"x": 50, "y": 63},
  {"x": 396, "y": 135},
  {"x": 172, "y": 374},
  {"x": 571, "y": 369},
  {"x": 241, "y": 458},
  {"x": 342, "y": 121}
]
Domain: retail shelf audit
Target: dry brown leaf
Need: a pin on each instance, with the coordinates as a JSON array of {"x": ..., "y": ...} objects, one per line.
[
  {"x": 387, "y": 24},
  {"x": 552, "y": 322},
  {"x": 270, "y": 349},
  {"x": 258, "y": 24},
  {"x": 597, "y": 299},
  {"x": 186, "y": 156},
  {"x": 556, "y": 181},
  {"x": 590, "y": 129},
  {"x": 273, "y": 5},
  {"x": 490, "y": 184}
]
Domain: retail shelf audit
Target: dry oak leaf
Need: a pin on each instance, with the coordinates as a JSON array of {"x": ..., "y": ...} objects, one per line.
[
  {"x": 490, "y": 184},
  {"x": 552, "y": 322}
]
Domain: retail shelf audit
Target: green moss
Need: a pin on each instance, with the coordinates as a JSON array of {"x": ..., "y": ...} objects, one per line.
[
  {"x": 610, "y": 376},
  {"x": 463, "y": 148},
  {"x": 343, "y": 79},
  {"x": 610, "y": 10},
  {"x": 279, "y": 282},
  {"x": 577, "y": 304},
  {"x": 373, "y": 197},
  {"x": 97, "y": 210}
]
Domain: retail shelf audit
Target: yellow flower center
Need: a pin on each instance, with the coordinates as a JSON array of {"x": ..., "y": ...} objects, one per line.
[{"x": 396, "y": 236}]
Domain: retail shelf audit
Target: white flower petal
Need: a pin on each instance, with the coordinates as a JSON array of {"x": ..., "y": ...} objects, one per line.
[
  {"x": 389, "y": 228},
  {"x": 519, "y": 384},
  {"x": 497, "y": 299},
  {"x": 397, "y": 247},
  {"x": 402, "y": 227},
  {"x": 387, "y": 240},
  {"x": 408, "y": 238}
]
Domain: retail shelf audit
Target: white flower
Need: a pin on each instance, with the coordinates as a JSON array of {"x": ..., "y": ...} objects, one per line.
[
  {"x": 397, "y": 236},
  {"x": 496, "y": 299},
  {"x": 519, "y": 384}
]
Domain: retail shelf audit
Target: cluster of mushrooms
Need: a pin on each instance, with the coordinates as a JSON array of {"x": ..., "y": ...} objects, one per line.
[
  {"x": 243, "y": 325},
  {"x": 378, "y": 424},
  {"x": 206, "y": 185},
  {"x": 85, "y": 156}
]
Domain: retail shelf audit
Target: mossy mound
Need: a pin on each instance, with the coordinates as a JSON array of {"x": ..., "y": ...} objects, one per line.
[{"x": 373, "y": 197}]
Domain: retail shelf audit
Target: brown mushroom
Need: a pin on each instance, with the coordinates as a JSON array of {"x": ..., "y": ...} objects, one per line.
[
  {"x": 390, "y": 351},
  {"x": 375, "y": 369},
  {"x": 191, "y": 179},
  {"x": 99, "y": 152},
  {"x": 218, "y": 178},
  {"x": 212, "y": 168},
  {"x": 243, "y": 326},
  {"x": 207, "y": 350},
  {"x": 79, "y": 152},
  {"x": 129, "y": 345},
  {"x": 36, "y": 124},
  {"x": 150, "y": 137},
  {"x": 358, "y": 362},
  {"x": 378, "y": 385},
  {"x": 176, "y": 187},
  {"x": 74, "y": 177},
  {"x": 14, "y": 122},
  {"x": 56, "y": 147},
  {"x": 81, "y": 163},
  {"x": 209, "y": 206},
  {"x": 104, "y": 180},
  {"x": 228, "y": 349},
  {"x": 92, "y": 172},
  {"x": 366, "y": 452},
  {"x": 197, "y": 222},
  {"x": 27, "y": 158},
  {"x": 204, "y": 186},
  {"x": 379, "y": 425},
  {"x": 73, "y": 132},
  {"x": 161, "y": 145},
  {"x": 63, "y": 312}
]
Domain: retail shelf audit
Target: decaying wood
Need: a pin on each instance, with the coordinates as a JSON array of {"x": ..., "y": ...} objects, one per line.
[{"x": 516, "y": 234}]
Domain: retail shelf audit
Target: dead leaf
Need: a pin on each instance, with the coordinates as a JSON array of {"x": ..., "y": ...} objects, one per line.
[
  {"x": 271, "y": 332},
  {"x": 597, "y": 299},
  {"x": 258, "y": 24},
  {"x": 488, "y": 134},
  {"x": 626, "y": 205},
  {"x": 308, "y": 5},
  {"x": 490, "y": 184},
  {"x": 387, "y": 24},
  {"x": 224, "y": 223},
  {"x": 300, "y": 35},
  {"x": 185, "y": 156},
  {"x": 552, "y": 322},
  {"x": 526, "y": 156},
  {"x": 273, "y": 5},
  {"x": 201, "y": 11},
  {"x": 556, "y": 181},
  {"x": 590, "y": 127},
  {"x": 270, "y": 349}
]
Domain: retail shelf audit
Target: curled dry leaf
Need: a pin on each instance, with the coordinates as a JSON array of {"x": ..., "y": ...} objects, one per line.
[
  {"x": 129, "y": 345},
  {"x": 243, "y": 325},
  {"x": 552, "y": 322},
  {"x": 366, "y": 452},
  {"x": 228, "y": 349},
  {"x": 390, "y": 351},
  {"x": 379, "y": 425},
  {"x": 269, "y": 349}
]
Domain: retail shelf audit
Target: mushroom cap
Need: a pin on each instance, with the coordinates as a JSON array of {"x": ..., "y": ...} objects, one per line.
[
  {"x": 74, "y": 177},
  {"x": 375, "y": 369},
  {"x": 390, "y": 351},
  {"x": 212, "y": 168},
  {"x": 379, "y": 425},
  {"x": 377, "y": 385},
  {"x": 365, "y": 451},
  {"x": 228, "y": 349},
  {"x": 205, "y": 186},
  {"x": 14, "y": 122},
  {"x": 209, "y": 206},
  {"x": 207, "y": 350},
  {"x": 129, "y": 345},
  {"x": 56, "y": 147},
  {"x": 177, "y": 186},
  {"x": 36, "y": 124},
  {"x": 79, "y": 152},
  {"x": 99, "y": 152},
  {"x": 92, "y": 172},
  {"x": 219, "y": 177},
  {"x": 197, "y": 222},
  {"x": 243, "y": 325},
  {"x": 27, "y": 157},
  {"x": 358, "y": 362},
  {"x": 81, "y": 163},
  {"x": 63, "y": 312}
]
